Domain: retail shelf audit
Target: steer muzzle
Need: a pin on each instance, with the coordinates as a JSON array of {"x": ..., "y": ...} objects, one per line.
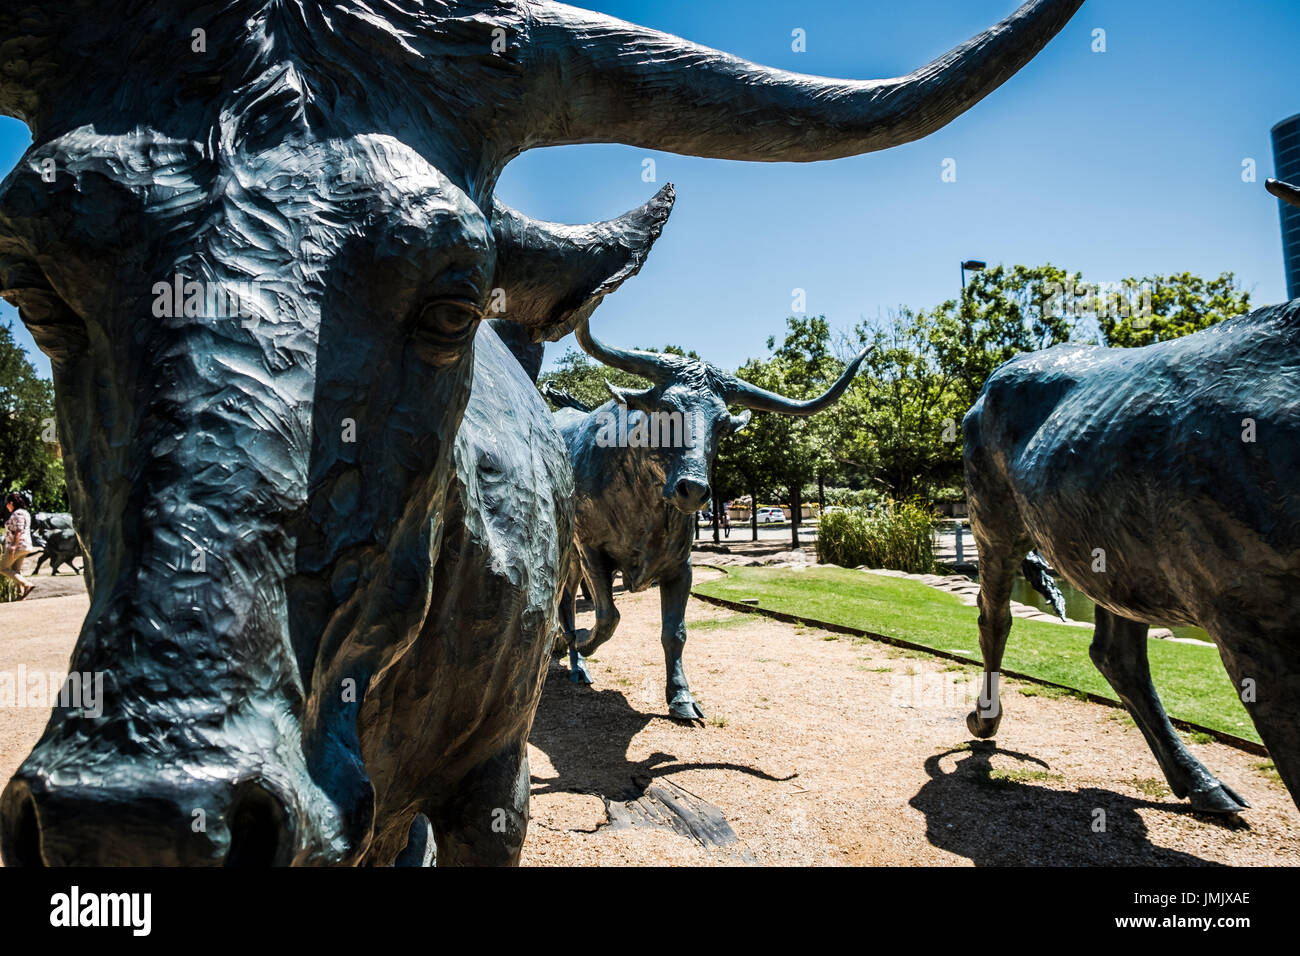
[
  {"x": 50, "y": 820},
  {"x": 690, "y": 494}
]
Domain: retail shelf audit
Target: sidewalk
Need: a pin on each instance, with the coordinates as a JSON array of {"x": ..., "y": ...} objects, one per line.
[{"x": 945, "y": 551}]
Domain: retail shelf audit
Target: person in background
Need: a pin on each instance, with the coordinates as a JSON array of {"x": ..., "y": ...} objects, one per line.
[{"x": 18, "y": 541}]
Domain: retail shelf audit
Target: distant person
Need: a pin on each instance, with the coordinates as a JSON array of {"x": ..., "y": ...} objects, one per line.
[
  {"x": 726, "y": 519},
  {"x": 18, "y": 541}
]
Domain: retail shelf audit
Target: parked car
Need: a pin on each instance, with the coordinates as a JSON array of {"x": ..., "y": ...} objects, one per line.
[{"x": 771, "y": 515}]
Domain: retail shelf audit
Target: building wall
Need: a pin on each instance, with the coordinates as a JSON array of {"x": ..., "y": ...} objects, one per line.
[{"x": 1286, "y": 160}]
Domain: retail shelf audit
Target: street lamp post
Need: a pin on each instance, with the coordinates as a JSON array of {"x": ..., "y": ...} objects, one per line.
[{"x": 971, "y": 265}]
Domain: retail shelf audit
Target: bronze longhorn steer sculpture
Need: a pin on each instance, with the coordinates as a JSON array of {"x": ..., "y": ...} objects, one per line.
[
  {"x": 55, "y": 538},
  {"x": 641, "y": 470},
  {"x": 257, "y": 250},
  {"x": 445, "y": 770},
  {"x": 1162, "y": 483}
]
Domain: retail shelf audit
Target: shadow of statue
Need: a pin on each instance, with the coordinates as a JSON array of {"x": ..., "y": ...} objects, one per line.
[
  {"x": 587, "y": 733},
  {"x": 1004, "y": 819}
]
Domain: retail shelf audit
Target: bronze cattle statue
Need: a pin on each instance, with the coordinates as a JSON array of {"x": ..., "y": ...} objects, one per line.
[
  {"x": 54, "y": 537},
  {"x": 641, "y": 470},
  {"x": 256, "y": 241},
  {"x": 1162, "y": 483}
]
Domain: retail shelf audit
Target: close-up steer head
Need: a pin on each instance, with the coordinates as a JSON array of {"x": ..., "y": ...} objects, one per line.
[
  {"x": 255, "y": 239},
  {"x": 686, "y": 412}
]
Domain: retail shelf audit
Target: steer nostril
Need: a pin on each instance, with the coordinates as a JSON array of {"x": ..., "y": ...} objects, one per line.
[
  {"x": 21, "y": 843},
  {"x": 689, "y": 490},
  {"x": 258, "y": 829}
]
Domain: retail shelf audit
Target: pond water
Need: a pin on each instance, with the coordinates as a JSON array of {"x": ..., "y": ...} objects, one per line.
[{"x": 1078, "y": 607}]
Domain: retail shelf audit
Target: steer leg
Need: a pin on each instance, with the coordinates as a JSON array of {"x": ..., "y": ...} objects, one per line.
[
  {"x": 420, "y": 849},
  {"x": 1119, "y": 649},
  {"x": 485, "y": 822},
  {"x": 1263, "y": 659},
  {"x": 674, "y": 592},
  {"x": 999, "y": 564},
  {"x": 578, "y": 672},
  {"x": 600, "y": 577}
]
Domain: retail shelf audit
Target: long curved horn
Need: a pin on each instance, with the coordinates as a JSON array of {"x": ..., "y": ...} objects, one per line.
[
  {"x": 649, "y": 365},
  {"x": 602, "y": 80},
  {"x": 1284, "y": 191},
  {"x": 740, "y": 392}
]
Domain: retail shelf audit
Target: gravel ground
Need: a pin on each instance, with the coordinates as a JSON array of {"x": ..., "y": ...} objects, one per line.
[
  {"x": 823, "y": 751},
  {"x": 818, "y": 751},
  {"x": 37, "y": 634}
]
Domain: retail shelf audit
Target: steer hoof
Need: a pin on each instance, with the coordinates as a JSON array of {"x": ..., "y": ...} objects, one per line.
[
  {"x": 580, "y": 674},
  {"x": 686, "y": 709},
  {"x": 1218, "y": 799},
  {"x": 982, "y": 727}
]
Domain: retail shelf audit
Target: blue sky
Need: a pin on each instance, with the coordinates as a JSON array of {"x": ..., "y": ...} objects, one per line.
[{"x": 1127, "y": 162}]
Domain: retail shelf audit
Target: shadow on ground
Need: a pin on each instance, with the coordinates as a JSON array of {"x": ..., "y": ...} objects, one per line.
[
  {"x": 1012, "y": 821},
  {"x": 586, "y": 733}
]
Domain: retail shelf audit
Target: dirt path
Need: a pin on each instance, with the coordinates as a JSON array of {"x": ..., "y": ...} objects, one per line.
[
  {"x": 822, "y": 751},
  {"x": 36, "y": 638},
  {"x": 818, "y": 751}
]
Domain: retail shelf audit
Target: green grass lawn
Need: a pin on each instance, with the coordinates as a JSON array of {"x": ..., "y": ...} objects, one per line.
[{"x": 1191, "y": 680}]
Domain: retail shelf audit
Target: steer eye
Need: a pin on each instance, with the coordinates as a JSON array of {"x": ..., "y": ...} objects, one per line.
[{"x": 445, "y": 325}]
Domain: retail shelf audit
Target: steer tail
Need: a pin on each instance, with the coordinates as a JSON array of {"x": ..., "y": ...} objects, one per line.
[
  {"x": 1034, "y": 568},
  {"x": 563, "y": 399}
]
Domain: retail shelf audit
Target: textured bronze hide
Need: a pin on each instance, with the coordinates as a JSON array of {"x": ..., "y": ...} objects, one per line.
[
  {"x": 1162, "y": 483},
  {"x": 636, "y": 503},
  {"x": 318, "y": 637}
]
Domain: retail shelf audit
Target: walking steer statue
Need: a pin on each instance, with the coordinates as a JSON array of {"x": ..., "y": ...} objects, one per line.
[
  {"x": 641, "y": 467},
  {"x": 54, "y": 537},
  {"x": 290, "y": 627},
  {"x": 1162, "y": 483}
]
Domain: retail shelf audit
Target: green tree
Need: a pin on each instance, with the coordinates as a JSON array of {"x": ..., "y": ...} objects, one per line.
[
  {"x": 789, "y": 452},
  {"x": 929, "y": 367},
  {"x": 1159, "y": 308},
  {"x": 742, "y": 468},
  {"x": 1005, "y": 311},
  {"x": 29, "y": 459},
  {"x": 899, "y": 422},
  {"x": 731, "y": 477}
]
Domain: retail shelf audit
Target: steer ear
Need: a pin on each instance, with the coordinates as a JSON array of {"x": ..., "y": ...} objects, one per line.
[
  {"x": 553, "y": 276},
  {"x": 640, "y": 401},
  {"x": 739, "y": 421}
]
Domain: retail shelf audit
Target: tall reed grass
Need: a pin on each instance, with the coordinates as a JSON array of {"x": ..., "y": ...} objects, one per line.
[{"x": 896, "y": 535}]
